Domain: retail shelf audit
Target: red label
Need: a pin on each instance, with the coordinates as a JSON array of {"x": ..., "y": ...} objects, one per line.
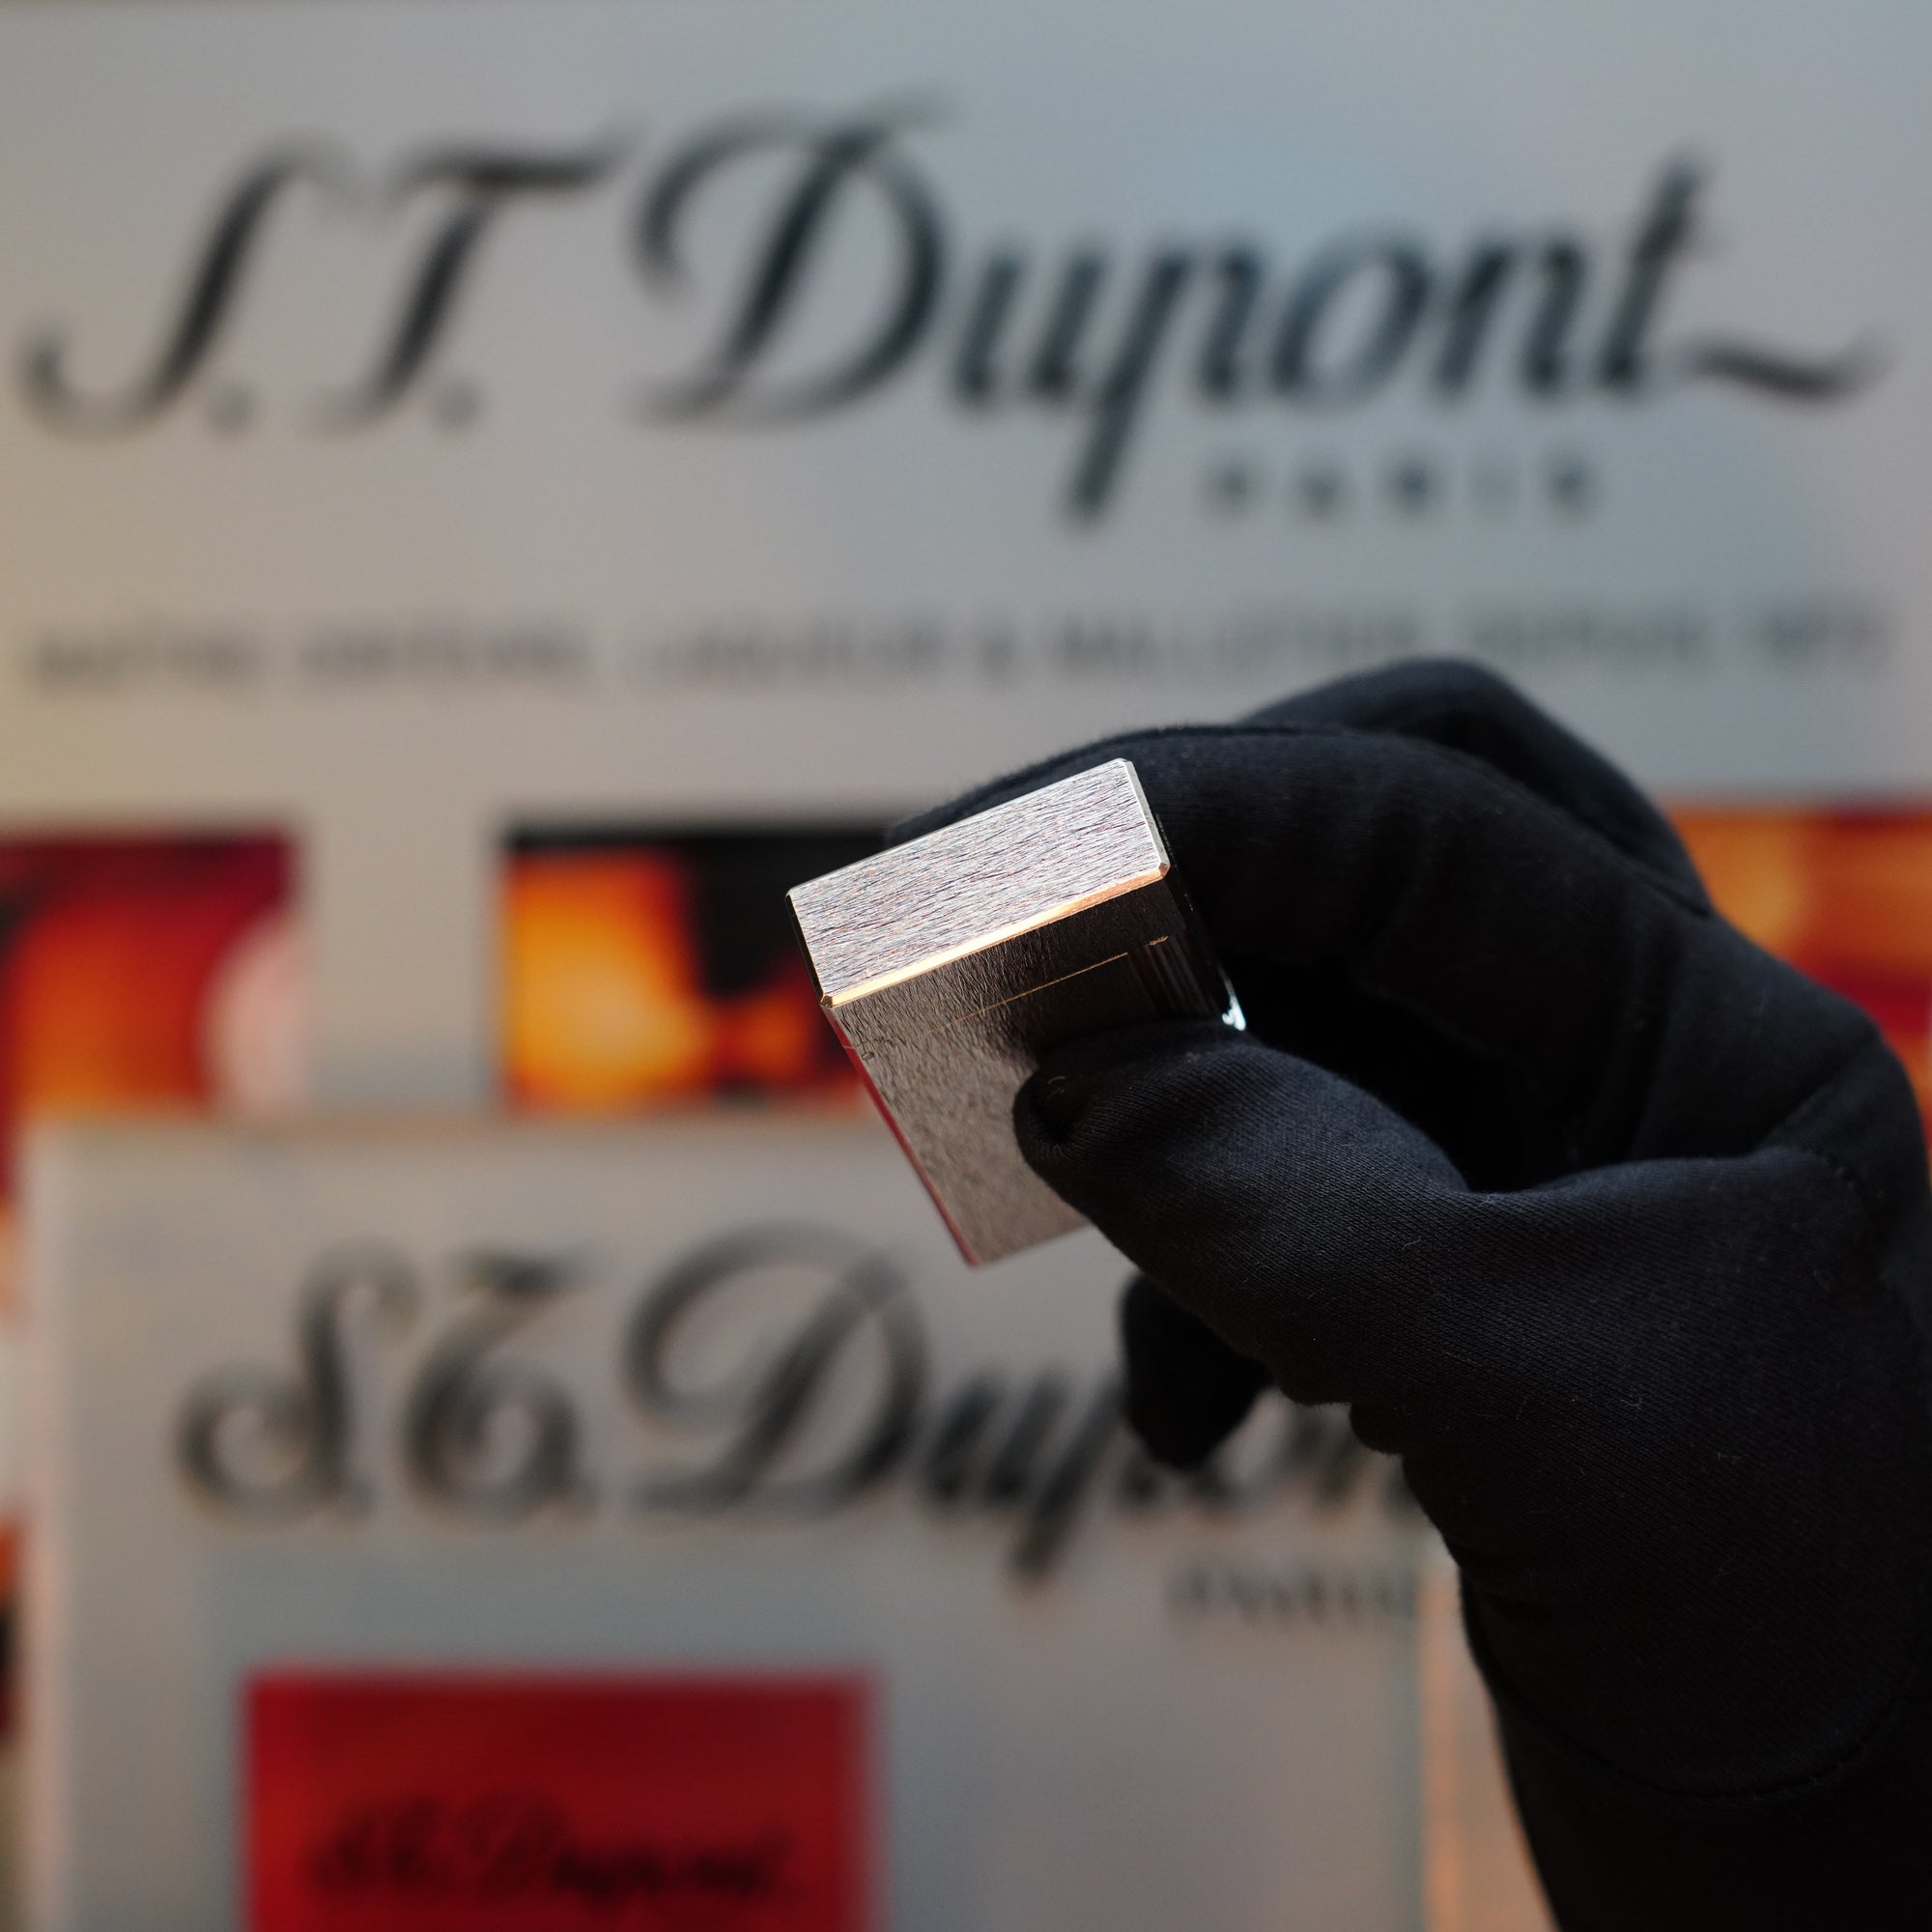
[{"x": 409, "y": 1802}]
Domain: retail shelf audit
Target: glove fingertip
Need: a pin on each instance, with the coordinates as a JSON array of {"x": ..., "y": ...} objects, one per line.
[
  {"x": 1186, "y": 1390},
  {"x": 1071, "y": 1079}
]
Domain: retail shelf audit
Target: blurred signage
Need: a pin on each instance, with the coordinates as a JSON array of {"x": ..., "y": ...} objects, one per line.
[
  {"x": 411, "y": 428},
  {"x": 1092, "y": 332},
  {"x": 412, "y": 1801},
  {"x": 477, "y": 1438},
  {"x": 356, "y": 1449}
]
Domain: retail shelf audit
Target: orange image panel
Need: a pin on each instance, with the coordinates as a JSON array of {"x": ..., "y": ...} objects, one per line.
[
  {"x": 1844, "y": 894},
  {"x": 644, "y": 968},
  {"x": 145, "y": 971}
]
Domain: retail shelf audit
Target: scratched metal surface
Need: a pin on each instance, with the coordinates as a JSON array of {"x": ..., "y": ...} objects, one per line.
[
  {"x": 948, "y": 1051},
  {"x": 1015, "y": 866},
  {"x": 948, "y": 1042}
]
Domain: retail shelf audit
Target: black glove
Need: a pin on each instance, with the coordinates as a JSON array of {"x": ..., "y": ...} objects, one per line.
[{"x": 1611, "y": 1227}]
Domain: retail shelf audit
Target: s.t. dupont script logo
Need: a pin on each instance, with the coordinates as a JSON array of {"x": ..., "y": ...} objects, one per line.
[
  {"x": 828, "y": 1396},
  {"x": 747, "y": 226}
]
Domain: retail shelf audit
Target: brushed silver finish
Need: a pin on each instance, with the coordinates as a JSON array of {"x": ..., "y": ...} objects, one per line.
[{"x": 950, "y": 964}]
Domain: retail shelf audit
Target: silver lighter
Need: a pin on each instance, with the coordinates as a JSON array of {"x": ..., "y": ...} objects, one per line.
[{"x": 949, "y": 964}]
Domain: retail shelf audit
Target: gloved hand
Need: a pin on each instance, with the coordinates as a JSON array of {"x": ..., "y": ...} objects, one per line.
[{"x": 1611, "y": 1227}]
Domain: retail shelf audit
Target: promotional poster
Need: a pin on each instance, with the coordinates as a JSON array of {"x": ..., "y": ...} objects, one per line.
[{"x": 465, "y": 1422}]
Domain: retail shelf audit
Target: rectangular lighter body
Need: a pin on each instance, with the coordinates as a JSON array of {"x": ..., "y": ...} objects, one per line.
[{"x": 950, "y": 964}]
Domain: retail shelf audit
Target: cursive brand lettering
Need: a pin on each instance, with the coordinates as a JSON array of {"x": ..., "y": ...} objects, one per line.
[
  {"x": 779, "y": 1372},
  {"x": 492, "y": 1437},
  {"x": 760, "y": 227},
  {"x": 266, "y": 1446},
  {"x": 515, "y": 1849},
  {"x": 211, "y": 295},
  {"x": 479, "y": 186},
  {"x": 833, "y": 163},
  {"x": 765, "y": 1411},
  {"x": 1219, "y": 322}
]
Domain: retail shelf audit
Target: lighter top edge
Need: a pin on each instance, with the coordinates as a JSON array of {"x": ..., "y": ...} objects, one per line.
[{"x": 1074, "y": 843}]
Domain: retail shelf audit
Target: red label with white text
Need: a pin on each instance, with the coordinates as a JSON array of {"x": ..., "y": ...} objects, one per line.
[{"x": 415, "y": 1803}]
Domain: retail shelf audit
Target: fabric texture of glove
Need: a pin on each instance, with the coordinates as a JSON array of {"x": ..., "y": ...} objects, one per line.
[{"x": 1612, "y": 1228}]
